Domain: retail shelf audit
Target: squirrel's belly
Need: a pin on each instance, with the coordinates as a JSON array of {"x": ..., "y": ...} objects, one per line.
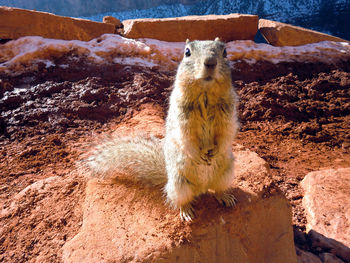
[{"x": 202, "y": 174}]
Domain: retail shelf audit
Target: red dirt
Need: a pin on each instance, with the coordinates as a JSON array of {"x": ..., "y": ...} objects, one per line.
[{"x": 295, "y": 116}]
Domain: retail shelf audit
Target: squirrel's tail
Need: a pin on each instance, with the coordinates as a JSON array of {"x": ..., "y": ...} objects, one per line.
[{"x": 141, "y": 157}]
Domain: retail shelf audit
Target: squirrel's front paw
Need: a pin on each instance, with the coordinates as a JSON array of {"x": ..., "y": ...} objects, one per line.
[
  {"x": 187, "y": 212},
  {"x": 208, "y": 154},
  {"x": 226, "y": 199}
]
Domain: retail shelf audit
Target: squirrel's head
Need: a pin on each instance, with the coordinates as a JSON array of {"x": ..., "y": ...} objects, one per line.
[{"x": 205, "y": 61}]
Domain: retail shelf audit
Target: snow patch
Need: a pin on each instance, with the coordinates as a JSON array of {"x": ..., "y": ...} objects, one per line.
[
  {"x": 134, "y": 61},
  {"x": 64, "y": 66},
  {"x": 25, "y": 54},
  {"x": 326, "y": 51},
  {"x": 48, "y": 63}
]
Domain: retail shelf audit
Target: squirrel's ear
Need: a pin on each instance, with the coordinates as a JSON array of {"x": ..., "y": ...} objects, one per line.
[
  {"x": 187, "y": 40},
  {"x": 217, "y": 39}
]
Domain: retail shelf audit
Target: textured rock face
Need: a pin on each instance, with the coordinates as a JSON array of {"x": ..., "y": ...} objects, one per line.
[
  {"x": 128, "y": 222},
  {"x": 15, "y": 23},
  {"x": 227, "y": 27},
  {"x": 327, "y": 203},
  {"x": 281, "y": 34},
  {"x": 112, "y": 20}
]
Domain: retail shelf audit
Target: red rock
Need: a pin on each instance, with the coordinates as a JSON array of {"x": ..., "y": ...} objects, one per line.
[
  {"x": 16, "y": 23},
  {"x": 327, "y": 203},
  {"x": 281, "y": 34},
  {"x": 178, "y": 29},
  {"x": 126, "y": 221},
  {"x": 112, "y": 20}
]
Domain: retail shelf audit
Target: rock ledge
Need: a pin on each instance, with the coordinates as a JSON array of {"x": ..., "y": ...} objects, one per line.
[
  {"x": 15, "y": 23},
  {"x": 126, "y": 221},
  {"x": 178, "y": 29}
]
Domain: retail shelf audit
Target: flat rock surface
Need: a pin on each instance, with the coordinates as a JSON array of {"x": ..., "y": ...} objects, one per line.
[
  {"x": 15, "y": 23},
  {"x": 281, "y": 34},
  {"x": 178, "y": 29},
  {"x": 327, "y": 203},
  {"x": 127, "y": 222}
]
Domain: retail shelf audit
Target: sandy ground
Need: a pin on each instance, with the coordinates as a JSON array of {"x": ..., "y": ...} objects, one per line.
[{"x": 295, "y": 116}]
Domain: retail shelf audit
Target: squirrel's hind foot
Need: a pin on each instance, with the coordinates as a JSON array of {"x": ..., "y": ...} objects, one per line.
[
  {"x": 187, "y": 212},
  {"x": 226, "y": 199}
]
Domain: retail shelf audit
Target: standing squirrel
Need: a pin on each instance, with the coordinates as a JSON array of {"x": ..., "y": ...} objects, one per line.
[{"x": 195, "y": 155}]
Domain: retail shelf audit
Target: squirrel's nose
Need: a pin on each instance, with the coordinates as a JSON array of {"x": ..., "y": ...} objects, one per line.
[{"x": 210, "y": 62}]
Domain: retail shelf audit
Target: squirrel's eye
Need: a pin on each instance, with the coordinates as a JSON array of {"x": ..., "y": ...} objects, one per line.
[
  {"x": 187, "y": 52},
  {"x": 224, "y": 54}
]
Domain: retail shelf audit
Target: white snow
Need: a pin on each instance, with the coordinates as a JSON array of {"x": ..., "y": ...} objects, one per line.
[
  {"x": 48, "y": 63},
  {"x": 134, "y": 61},
  {"x": 18, "y": 91},
  {"x": 26, "y": 53},
  {"x": 326, "y": 51},
  {"x": 64, "y": 66}
]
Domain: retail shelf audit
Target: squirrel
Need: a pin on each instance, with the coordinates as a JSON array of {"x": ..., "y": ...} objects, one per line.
[{"x": 195, "y": 155}]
